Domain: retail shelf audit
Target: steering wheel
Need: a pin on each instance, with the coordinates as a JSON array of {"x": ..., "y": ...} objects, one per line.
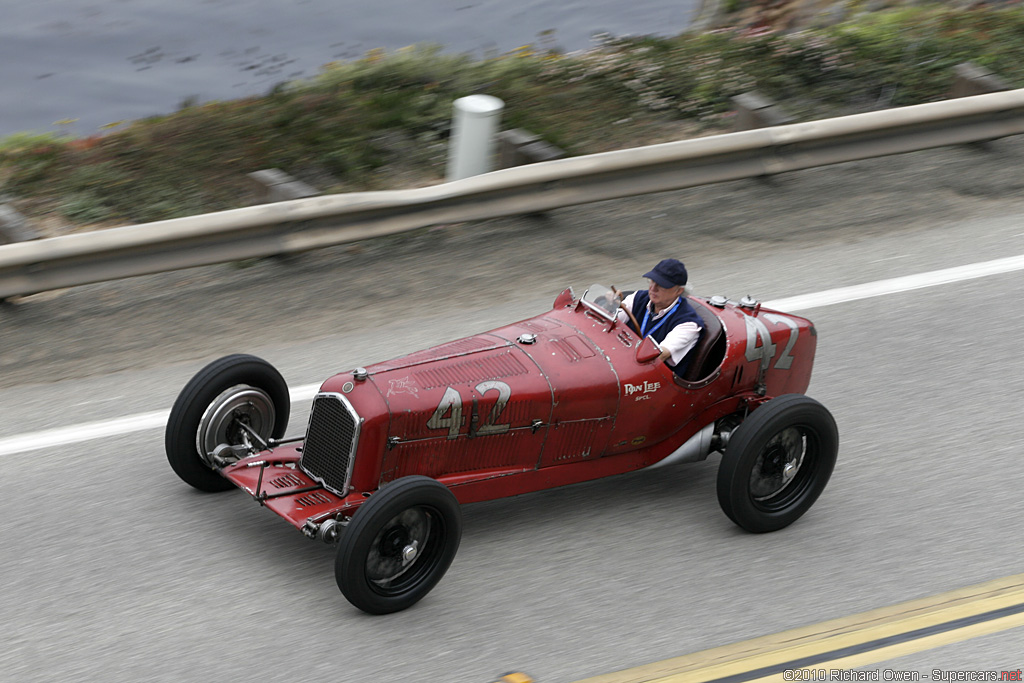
[{"x": 632, "y": 318}]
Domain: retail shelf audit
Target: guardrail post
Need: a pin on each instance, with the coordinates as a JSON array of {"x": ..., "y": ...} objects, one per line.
[
  {"x": 474, "y": 127},
  {"x": 517, "y": 147},
  {"x": 274, "y": 185},
  {"x": 971, "y": 79},
  {"x": 754, "y": 110}
]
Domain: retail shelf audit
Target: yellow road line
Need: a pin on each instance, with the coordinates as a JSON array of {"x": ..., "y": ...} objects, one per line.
[
  {"x": 847, "y": 642},
  {"x": 893, "y": 651}
]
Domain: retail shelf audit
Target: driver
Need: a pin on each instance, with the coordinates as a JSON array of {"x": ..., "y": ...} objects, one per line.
[{"x": 664, "y": 314}]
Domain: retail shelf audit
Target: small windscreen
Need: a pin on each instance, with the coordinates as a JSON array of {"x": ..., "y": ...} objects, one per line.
[{"x": 602, "y": 299}]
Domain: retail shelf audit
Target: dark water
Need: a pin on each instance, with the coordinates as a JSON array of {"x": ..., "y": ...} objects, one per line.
[{"x": 109, "y": 60}]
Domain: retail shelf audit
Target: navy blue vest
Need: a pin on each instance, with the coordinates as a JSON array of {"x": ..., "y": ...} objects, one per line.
[{"x": 659, "y": 329}]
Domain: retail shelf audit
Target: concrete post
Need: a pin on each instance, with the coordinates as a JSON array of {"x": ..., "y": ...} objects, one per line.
[
  {"x": 970, "y": 79},
  {"x": 754, "y": 110},
  {"x": 274, "y": 185},
  {"x": 14, "y": 227},
  {"x": 517, "y": 147},
  {"x": 475, "y": 124}
]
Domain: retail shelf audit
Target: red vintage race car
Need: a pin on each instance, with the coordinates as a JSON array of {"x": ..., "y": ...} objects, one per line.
[{"x": 393, "y": 449}]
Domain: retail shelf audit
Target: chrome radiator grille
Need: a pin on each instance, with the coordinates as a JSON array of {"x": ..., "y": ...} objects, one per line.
[{"x": 331, "y": 440}]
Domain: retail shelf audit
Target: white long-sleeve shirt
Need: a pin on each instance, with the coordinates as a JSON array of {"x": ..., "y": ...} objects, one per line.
[{"x": 679, "y": 340}]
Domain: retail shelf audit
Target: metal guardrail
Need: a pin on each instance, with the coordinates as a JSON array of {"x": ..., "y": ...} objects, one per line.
[{"x": 316, "y": 222}]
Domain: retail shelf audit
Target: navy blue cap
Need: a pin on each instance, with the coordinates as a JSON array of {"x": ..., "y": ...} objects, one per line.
[{"x": 668, "y": 273}]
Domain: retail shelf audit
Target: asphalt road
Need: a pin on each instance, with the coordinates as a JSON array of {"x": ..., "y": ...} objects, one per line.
[{"x": 113, "y": 569}]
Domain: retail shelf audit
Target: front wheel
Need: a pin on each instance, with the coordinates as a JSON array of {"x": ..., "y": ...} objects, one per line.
[
  {"x": 777, "y": 463},
  {"x": 398, "y": 545},
  {"x": 211, "y": 410}
]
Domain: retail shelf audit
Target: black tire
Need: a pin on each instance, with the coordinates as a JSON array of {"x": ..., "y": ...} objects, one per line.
[
  {"x": 754, "y": 488},
  {"x": 201, "y": 393},
  {"x": 370, "y": 569}
]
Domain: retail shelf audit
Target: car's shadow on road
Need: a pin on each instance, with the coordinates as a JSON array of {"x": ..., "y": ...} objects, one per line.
[
  {"x": 681, "y": 490},
  {"x": 684, "y": 491},
  {"x": 663, "y": 511}
]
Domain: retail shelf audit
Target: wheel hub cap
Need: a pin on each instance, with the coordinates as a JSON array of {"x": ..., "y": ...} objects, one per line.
[
  {"x": 409, "y": 551},
  {"x": 238, "y": 404}
]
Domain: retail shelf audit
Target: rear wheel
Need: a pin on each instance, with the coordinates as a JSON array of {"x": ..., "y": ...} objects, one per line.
[
  {"x": 777, "y": 463},
  {"x": 219, "y": 405},
  {"x": 398, "y": 545}
]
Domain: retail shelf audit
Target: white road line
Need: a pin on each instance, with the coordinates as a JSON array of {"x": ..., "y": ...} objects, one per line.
[
  {"x": 895, "y": 285},
  {"x": 62, "y": 436},
  {"x": 87, "y": 431}
]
